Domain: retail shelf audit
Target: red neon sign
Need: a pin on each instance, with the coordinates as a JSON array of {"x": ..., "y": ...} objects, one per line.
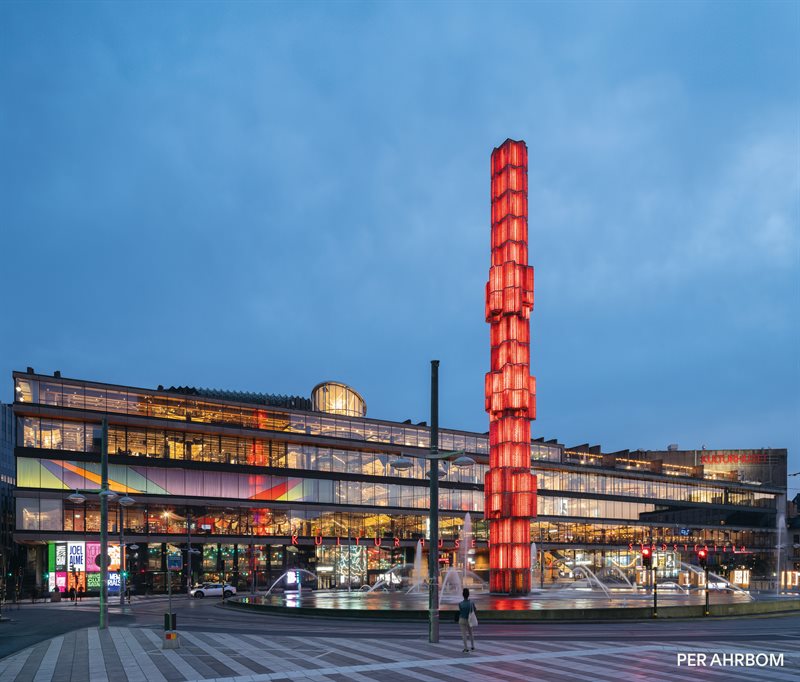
[{"x": 510, "y": 489}]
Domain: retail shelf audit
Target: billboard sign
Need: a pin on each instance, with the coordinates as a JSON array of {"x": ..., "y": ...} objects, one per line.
[{"x": 76, "y": 556}]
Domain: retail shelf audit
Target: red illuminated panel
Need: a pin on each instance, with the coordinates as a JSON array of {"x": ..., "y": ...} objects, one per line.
[{"x": 510, "y": 489}]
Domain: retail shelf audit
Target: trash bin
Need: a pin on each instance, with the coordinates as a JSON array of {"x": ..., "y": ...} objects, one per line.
[{"x": 55, "y": 595}]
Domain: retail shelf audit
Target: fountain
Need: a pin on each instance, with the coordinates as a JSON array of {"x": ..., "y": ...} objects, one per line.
[
  {"x": 728, "y": 584},
  {"x": 286, "y": 573},
  {"x": 451, "y": 585},
  {"x": 614, "y": 569},
  {"x": 780, "y": 530},
  {"x": 534, "y": 563},
  {"x": 417, "y": 579},
  {"x": 395, "y": 578},
  {"x": 589, "y": 578},
  {"x": 466, "y": 540}
]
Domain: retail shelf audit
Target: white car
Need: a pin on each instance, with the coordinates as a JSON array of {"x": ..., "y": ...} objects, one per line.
[{"x": 213, "y": 590}]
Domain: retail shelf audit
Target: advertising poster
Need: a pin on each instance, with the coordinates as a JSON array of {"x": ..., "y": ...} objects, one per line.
[
  {"x": 61, "y": 556},
  {"x": 113, "y": 555},
  {"x": 92, "y": 552},
  {"x": 76, "y": 556},
  {"x": 61, "y": 578},
  {"x": 76, "y": 579}
]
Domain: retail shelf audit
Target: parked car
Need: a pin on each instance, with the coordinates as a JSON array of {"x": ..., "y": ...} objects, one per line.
[{"x": 213, "y": 590}]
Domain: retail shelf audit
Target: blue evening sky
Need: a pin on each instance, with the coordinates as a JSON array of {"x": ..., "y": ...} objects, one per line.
[{"x": 262, "y": 196}]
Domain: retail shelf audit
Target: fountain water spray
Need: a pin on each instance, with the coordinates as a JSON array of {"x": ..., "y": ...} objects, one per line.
[
  {"x": 416, "y": 571},
  {"x": 466, "y": 541}
]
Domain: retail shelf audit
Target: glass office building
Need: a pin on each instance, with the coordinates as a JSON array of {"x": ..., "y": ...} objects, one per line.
[{"x": 258, "y": 484}]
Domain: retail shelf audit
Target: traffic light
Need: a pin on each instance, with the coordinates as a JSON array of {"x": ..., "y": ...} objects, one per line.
[
  {"x": 45, "y": 576},
  {"x": 647, "y": 557},
  {"x": 702, "y": 558}
]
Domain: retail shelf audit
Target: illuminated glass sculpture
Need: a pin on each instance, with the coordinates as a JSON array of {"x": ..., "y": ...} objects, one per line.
[{"x": 510, "y": 488}]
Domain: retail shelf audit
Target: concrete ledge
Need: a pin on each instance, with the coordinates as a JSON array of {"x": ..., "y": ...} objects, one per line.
[{"x": 753, "y": 608}]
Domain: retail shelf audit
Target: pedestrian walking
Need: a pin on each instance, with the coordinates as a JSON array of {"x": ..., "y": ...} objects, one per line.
[{"x": 467, "y": 621}]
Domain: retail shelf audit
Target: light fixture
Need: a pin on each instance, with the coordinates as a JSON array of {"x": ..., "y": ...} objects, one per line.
[
  {"x": 110, "y": 494},
  {"x": 463, "y": 462},
  {"x": 402, "y": 463},
  {"x": 133, "y": 547},
  {"x": 77, "y": 498},
  {"x": 126, "y": 501}
]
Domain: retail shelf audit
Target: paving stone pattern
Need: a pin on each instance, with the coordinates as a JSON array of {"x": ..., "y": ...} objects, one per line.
[{"x": 136, "y": 655}]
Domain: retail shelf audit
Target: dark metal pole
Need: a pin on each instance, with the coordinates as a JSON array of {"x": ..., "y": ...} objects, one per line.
[
  {"x": 253, "y": 568},
  {"x": 188, "y": 553},
  {"x": 122, "y": 552},
  {"x": 433, "y": 553},
  {"x": 655, "y": 592},
  {"x": 104, "y": 525},
  {"x": 706, "y": 612}
]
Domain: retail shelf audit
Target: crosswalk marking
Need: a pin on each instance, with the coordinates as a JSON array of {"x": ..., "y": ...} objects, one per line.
[
  {"x": 47, "y": 666},
  {"x": 178, "y": 662},
  {"x": 296, "y": 657},
  {"x": 97, "y": 666},
  {"x": 13, "y": 664}
]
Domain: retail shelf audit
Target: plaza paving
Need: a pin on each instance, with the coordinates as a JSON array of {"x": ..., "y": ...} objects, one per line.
[{"x": 135, "y": 654}]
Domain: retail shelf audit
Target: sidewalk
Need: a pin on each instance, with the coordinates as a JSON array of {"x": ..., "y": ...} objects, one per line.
[{"x": 135, "y": 655}]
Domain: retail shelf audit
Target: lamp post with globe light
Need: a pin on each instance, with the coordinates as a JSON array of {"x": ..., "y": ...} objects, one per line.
[
  {"x": 105, "y": 495},
  {"x": 403, "y": 463},
  {"x": 124, "y": 501}
]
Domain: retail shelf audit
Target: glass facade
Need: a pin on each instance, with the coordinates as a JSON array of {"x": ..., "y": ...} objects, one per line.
[{"x": 258, "y": 489}]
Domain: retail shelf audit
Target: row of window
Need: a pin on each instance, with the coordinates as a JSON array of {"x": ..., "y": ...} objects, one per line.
[
  {"x": 66, "y": 475},
  {"x": 198, "y": 447},
  {"x": 57, "y": 434},
  {"x": 35, "y": 514},
  {"x": 159, "y": 519},
  {"x": 183, "y": 409},
  {"x": 591, "y": 508},
  {"x": 603, "y": 484}
]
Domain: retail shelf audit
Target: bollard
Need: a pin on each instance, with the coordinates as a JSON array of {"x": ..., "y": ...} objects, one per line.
[
  {"x": 170, "y": 632},
  {"x": 171, "y": 640}
]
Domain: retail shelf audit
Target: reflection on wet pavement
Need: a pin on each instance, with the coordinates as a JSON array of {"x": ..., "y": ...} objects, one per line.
[{"x": 373, "y": 601}]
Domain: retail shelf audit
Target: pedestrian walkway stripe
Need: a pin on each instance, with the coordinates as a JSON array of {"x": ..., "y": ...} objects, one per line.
[
  {"x": 172, "y": 656},
  {"x": 264, "y": 647},
  {"x": 13, "y": 664},
  {"x": 125, "y": 655}
]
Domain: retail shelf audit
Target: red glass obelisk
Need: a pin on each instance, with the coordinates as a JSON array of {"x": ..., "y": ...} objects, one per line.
[{"x": 510, "y": 488}]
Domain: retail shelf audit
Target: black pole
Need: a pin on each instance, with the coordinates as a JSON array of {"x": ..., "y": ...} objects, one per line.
[
  {"x": 706, "y": 612},
  {"x": 655, "y": 592},
  {"x": 103, "y": 525},
  {"x": 433, "y": 553}
]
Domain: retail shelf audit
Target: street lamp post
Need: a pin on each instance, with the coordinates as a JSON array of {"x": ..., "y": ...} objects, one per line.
[
  {"x": 433, "y": 553},
  {"x": 404, "y": 463},
  {"x": 105, "y": 494},
  {"x": 188, "y": 554},
  {"x": 124, "y": 501}
]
